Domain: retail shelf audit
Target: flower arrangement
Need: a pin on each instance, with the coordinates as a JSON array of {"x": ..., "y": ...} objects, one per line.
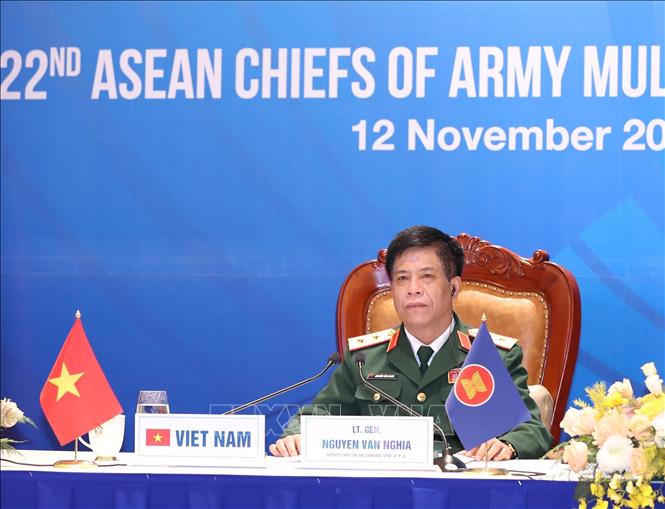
[
  {"x": 619, "y": 441},
  {"x": 10, "y": 414}
]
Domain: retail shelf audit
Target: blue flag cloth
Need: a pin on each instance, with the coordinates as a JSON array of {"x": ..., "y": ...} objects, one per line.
[{"x": 484, "y": 402}]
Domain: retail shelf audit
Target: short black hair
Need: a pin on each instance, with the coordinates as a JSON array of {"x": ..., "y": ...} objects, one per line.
[{"x": 447, "y": 248}]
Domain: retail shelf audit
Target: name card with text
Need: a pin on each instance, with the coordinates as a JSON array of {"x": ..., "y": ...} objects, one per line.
[
  {"x": 200, "y": 439},
  {"x": 397, "y": 443}
]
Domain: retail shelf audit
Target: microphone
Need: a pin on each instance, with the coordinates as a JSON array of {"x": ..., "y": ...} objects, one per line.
[
  {"x": 447, "y": 462},
  {"x": 332, "y": 360}
]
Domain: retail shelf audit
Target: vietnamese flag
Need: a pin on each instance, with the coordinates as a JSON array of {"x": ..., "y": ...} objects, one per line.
[
  {"x": 76, "y": 396},
  {"x": 158, "y": 437}
]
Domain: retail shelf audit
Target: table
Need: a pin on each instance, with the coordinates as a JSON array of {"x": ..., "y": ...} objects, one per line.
[{"x": 281, "y": 484}]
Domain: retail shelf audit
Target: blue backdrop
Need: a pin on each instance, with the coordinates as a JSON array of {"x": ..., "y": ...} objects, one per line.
[{"x": 201, "y": 195}]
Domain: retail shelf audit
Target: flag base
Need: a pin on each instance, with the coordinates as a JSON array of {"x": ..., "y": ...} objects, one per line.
[
  {"x": 485, "y": 471},
  {"x": 106, "y": 458},
  {"x": 75, "y": 464},
  {"x": 450, "y": 464}
]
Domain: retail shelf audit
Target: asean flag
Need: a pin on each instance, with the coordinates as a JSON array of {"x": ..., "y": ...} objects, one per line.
[
  {"x": 484, "y": 402},
  {"x": 77, "y": 396}
]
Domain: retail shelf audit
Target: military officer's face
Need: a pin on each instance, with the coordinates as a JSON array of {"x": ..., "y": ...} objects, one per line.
[{"x": 422, "y": 294}]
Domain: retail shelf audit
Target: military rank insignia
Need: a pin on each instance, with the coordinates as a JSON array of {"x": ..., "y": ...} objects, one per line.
[
  {"x": 503, "y": 342},
  {"x": 371, "y": 339},
  {"x": 500, "y": 341}
]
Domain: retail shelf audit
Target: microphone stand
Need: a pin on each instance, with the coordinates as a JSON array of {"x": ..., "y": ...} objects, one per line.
[
  {"x": 447, "y": 462},
  {"x": 332, "y": 360}
]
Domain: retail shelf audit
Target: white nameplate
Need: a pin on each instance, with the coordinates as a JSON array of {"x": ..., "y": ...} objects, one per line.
[
  {"x": 200, "y": 439},
  {"x": 396, "y": 443}
]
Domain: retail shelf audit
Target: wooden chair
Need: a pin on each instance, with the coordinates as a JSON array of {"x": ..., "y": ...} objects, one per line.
[{"x": 533, "y": 300}]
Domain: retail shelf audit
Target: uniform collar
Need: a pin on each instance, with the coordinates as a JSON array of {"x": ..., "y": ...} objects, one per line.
[
  {"x": 434, "y": 345},
  {"x": 450, "y": 355}
]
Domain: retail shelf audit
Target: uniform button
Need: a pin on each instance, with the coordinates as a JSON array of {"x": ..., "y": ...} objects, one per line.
[
  {"x": 376, "y": 396},
  {"x": 421, "y": 396}
]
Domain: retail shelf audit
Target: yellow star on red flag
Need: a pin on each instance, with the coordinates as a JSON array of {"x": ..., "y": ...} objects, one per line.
[{"x": 66, "y": 382}]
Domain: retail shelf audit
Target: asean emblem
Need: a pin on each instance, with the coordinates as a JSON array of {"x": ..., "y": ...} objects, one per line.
[{"x": 474, "y": 386}]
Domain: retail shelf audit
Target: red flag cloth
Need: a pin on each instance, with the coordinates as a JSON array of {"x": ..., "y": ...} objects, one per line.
[
  {"x": 76, "y": 396},
  {"x": 158, "y": 437}
]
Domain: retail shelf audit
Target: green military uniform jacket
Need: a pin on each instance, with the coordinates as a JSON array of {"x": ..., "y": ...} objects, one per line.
[{"x": 400, "y": 377}]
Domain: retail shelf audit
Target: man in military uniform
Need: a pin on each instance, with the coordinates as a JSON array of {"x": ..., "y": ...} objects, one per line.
[{"x": 418, "y": 362}]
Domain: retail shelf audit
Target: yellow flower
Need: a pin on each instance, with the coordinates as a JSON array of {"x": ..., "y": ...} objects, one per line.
[
  {"x": 597, "y": 490},
  {"x": 596, "y": 394},
  {"x": 652, "y": 406},
  {"x": 614, "y": 400},
  {"x": 639, "y": 501},
  {"x": 633, "y": 504},
  {"x": 614, "y": 497},
  {"x": 615, "y": 483},
  {"x": 580, "y": 403},
  {"x": 582, "y": 502},
  {"x": 646, "y": 490},
  {"x": 601, "y": 504}
]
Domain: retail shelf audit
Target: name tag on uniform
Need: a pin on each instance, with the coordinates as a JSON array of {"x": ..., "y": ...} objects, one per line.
[
  {"x": 382, "y": 376},
  {"x": 453, "y": 374}
]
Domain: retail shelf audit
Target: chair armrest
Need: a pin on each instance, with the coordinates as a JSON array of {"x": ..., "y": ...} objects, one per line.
[{"x": 545, "y": 403}]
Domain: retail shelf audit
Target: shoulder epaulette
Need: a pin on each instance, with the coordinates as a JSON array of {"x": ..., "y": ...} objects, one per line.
[
  {"x": 371, "y": 339},
  {"x": 503, "y": 342}
]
